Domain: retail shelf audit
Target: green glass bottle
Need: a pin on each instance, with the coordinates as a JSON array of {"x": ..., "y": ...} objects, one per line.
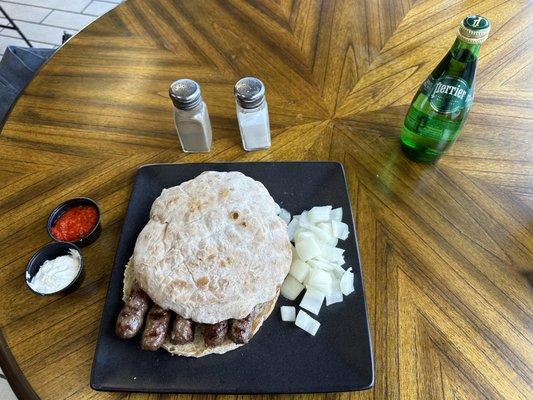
[{"x": 441, "y": 105}]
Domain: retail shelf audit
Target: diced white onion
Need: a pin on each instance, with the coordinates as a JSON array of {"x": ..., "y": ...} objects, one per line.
[
  {"x": 345, "y": 234},
  {"x": 321, "y": 235},
  {"x": 307, "y": 323},
  {"x": 307, "y": 248},
  {"x": 331, "y": 253},
  {"x": 288, "y": 313},
  {"x": 324, "y": 265},
  {"x": 302, "y": 234},
  {"x": 303, "y": 220},
  {"x": 291, "y": 228},
  {"x": 339, "y": 229},
  {"x": 336, "y": 284},
  {"x": 319, "y": 280},
  {"x": 336, "y": 214},
  {"x": 347, "y": 282},
  {"x": 338, "y": 270},
  {"x": 316, "y": 264},
  {"x": 312, "y": 300},
  {"x": 291, "y": 288},
  {"x": 284, "y": 215},
  {"x": 326, "y": 227},
  {"x": 320, "y": 214},
  {"x": 335, "y": 296},
  {"x": 294, "y": 253},
  {"x": 299, "y": 269}
]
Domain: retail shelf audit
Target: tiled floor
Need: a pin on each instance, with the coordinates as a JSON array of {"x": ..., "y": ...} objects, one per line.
[{"x": 44, "y": 21}]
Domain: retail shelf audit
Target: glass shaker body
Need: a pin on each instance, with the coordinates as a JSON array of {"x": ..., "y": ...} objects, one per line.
[
  {"x": 254, "y": 126},
  {"x": 252, "y": 113},
  {"x": 194, "y": 129}
]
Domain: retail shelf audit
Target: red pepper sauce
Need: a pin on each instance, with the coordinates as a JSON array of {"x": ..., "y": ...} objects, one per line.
[{"x": 75, "y": 223}]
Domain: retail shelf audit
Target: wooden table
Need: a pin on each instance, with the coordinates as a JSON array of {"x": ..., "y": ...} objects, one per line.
[{"x": 446, "y": 249}]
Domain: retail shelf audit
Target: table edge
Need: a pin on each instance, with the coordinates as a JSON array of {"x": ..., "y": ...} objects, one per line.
[{"x": 14, "y": 375}]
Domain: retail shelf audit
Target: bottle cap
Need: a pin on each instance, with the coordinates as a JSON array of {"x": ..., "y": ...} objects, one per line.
[
  {"x": 474, "y": 29},
  {"x": 185, "y": 94},
  {"x": 249, "y": 92}
]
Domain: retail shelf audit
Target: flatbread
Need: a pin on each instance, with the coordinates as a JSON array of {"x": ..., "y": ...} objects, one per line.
[{"x": 213, "y": 249}]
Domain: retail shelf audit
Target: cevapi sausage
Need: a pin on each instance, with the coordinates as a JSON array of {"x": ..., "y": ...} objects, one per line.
[
  {"x": 240, "y": 330},
  {"x": 155, "y": 329},
  {"x": 182, "y": 331},
  {"x": 131, "y": 317},
  {"x": 214, "y": 334}
]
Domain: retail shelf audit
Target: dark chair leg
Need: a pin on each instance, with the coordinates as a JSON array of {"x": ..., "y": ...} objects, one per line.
[{"x": 12, "y": 25}]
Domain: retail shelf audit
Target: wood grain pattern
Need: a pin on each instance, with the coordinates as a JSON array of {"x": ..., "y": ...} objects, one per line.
[{"x": 446, "y": 249}]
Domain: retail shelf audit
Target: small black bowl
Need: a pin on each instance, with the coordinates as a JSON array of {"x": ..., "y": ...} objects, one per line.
[
  {"x": 49, "y": 252},
  {"x": 60, "y": 209}
]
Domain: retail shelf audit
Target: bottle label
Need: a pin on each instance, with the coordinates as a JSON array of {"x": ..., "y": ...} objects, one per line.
[{"x": 449, "y": 95}]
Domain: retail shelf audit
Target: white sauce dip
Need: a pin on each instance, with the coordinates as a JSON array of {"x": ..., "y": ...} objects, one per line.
[{"x": 56, "y": 274}]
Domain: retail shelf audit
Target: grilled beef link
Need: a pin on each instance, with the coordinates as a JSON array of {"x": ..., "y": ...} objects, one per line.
[
  {"x": 214, "y": 334},
  {"x": 240, "y": 330},
  {"x": 155, "y": 330},
  {"x": 182, "y": 331},
  {"x": 131, "y": 317}
]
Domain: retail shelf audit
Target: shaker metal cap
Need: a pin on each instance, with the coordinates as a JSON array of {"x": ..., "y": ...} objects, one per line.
[
  {"x": 185, "y": 94},
  {"x": 249, "y": 92},
  {"x": 474, "y": 29}
]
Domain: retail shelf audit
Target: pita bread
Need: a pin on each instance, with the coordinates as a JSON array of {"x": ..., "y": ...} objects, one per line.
[{"x": 213, "y": 249}]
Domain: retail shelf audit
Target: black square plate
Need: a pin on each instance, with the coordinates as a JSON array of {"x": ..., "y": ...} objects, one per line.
[{"x": 281, "y": 358}]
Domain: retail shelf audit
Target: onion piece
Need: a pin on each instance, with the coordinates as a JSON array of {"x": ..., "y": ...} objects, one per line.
[
  {"x": 339, "y": 229},
  {"x": 302, "y": 234},
  {"x": 288, "y": 313},
  {"x": 308, "y": 248},
  {"x": 320, "y": 234},
  {"x": 284, "y": 215},
  {"x": 294, "y": 253},
  {"x": 320, "y": 214},
  {"x": 335, "y": 296},
  {"x": 307, "y": 323},
  {"x": 319, "y": 280},
  {"x": 336, "y": 214},
  {"x": 332, "y": 253},
  {"x": 326, "y": 227},
  {"x": 338, "y": 270},
  {"x": 346, "y": 284},
  {"x": 345, "y": 234},
  {"x": 299, "y": 269},
  {"x": 291, "y": 228},
  {"x": 291, "y": 288},
  {"x": 323, "y": 265},
  {"x": 312, "y": 300},
  {"x": 303, "y": 220}
]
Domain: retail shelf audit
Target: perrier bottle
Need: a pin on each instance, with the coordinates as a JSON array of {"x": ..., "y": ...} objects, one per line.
[{"x": 441, "y": 105}]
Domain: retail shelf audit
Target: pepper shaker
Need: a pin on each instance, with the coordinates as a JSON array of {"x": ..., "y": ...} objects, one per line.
[
  {"x": 191, "y": 117},
  {"x": 252, "y": 114}
]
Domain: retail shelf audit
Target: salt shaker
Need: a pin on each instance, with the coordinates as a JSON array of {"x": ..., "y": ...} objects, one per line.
[
  {"x": 252, "y": 114},
  {"x": 191, "y": 117}
]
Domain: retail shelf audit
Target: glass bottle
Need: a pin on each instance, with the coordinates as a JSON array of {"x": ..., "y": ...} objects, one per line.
[
  {"x": 191, "y": 117},
  {"x": 252, "y": 114},
  {"x": 441, "y": 105}
]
